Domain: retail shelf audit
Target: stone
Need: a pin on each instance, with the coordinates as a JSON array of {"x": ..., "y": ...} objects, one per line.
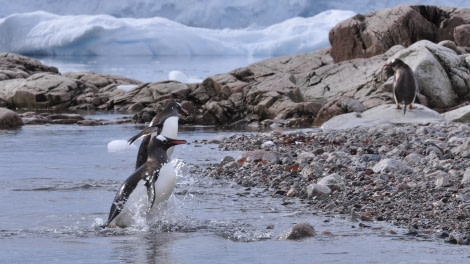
[
  {"x": 260, "y": 156},
  {"x": 337, "y": 107},
  {"x": 298, "y": 231},
  {"x": 384, "y": 114},
  {"x": 432, "y": 65},
  {"x": 313, "y": 170},
  {"x": 462, "y": 35},
  {"x": 391, "y": 165},
  {"x": 9, "y": 119},
  {"x": 461, "y": 114},
  {"x": 466, "y": 177},
  {"x": 442, "y": 178},
  {"x": 333, "y": 181},
  {"x": 364, "y": 36},
  {"x": 314, "y": 190},
  {"x": 15, "y": 66}
]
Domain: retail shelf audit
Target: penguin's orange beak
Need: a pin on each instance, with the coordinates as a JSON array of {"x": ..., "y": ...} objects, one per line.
[
  {"x": 176, "y": 141},
  {"x": 184, "y": 111}
]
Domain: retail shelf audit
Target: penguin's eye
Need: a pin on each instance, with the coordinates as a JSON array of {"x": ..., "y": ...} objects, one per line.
[{"x": 165, "y": 141}]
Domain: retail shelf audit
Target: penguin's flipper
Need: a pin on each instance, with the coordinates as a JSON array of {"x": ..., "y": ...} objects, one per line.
[
  {"x": 147, "y": 131},
  {"x": 150, "y": 193},
  {"x": 142, "y": 154},
  {"x": 121, "y": 196},
  {"x": 115, "y": 210}
]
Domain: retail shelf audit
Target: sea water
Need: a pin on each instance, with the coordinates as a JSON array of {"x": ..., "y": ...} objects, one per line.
[
  {"x": 58, "y": 182},
  {"x": 148, "y": 68}
]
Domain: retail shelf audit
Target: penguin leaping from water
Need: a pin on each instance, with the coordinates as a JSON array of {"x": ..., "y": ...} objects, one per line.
[
  {"x": 405, "y": 86},
  {"x": 165, "y": 123},
  {"x": 150, "y": 184}
]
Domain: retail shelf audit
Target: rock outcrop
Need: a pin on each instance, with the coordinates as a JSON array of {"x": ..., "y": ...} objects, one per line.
[
  {"x": 364, "y": 36},
  {"x": 295, "y": 90},
  {"x": 9, "y": 119}
]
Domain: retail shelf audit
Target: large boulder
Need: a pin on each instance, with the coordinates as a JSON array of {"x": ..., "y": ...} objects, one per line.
[
  {"x": 364, "y": 36},
  {"x": 100, "y": 80},
  {"x": 384, "y": 114},
  {"x": 9, "y": 119},
  {"x": 39, "y": 91},
  {"x": 442, "y": 75},
  {"x": 14, "y": 66}
]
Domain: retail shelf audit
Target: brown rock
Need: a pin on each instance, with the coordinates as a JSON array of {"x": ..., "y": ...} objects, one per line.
[
  {"x": 298, "y": 231},
  {"x": 364, "y": 36},
  {"x": 462, "y": 35},
  {"x": 14, "y": 66},
  {"x": 9, "y": 119}
]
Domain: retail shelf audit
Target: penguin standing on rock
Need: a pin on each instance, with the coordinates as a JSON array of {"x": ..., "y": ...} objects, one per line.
[
  {"x": 405, "y": 86},
  {"x": 150, "y": 184},
  {"x": 164, "y": 123}
]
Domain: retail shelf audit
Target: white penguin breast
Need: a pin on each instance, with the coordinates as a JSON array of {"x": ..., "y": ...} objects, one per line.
[{"x": 165, "y": 183}]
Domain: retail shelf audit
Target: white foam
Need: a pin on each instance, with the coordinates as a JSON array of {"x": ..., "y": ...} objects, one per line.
[{"x": 120, "y": 145}]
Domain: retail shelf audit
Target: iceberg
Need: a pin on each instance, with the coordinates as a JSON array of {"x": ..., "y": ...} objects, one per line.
[
  {"x": 209, "y": 13},
  {"x": 43, "y": 33}
]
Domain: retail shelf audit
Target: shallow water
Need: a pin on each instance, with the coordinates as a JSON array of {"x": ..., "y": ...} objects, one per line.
[{"x": 58, "y": 182}]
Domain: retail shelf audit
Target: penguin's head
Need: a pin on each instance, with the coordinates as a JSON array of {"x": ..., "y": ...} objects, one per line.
[
  {"x": 181, "y": 109},
  {"x": 166, "y": 142},
  {"x": 395, "y": 63}
]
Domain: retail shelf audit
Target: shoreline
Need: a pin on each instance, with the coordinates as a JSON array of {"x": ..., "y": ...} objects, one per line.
[{"x": 412, "y": 176}]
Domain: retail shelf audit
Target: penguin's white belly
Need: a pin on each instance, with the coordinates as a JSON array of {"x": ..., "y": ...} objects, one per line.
[
  {"x": 165, "y": 183},
  {"x": 170, "y": 130},
  {"x": 135, "y": 207}
]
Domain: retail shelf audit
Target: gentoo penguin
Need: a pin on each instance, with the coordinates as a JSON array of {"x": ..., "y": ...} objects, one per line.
[
  {"x": 405, "y": 85},
  {"x": 150, "y": 184},
  {"x": 164, "y": 123}
]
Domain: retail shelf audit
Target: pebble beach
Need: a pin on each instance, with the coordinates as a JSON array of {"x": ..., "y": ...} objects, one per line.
[{"x": 412, "y": 176}]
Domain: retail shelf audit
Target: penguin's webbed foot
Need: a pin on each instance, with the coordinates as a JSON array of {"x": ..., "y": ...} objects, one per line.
[
  {"x": 411, "y": 106},
  {"x": 397, "y": 106}
]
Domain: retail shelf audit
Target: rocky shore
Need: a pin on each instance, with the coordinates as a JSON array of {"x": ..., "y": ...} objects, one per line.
[
  {"x": 414, "y": 176},
  {"x": 293, "y": 91}
]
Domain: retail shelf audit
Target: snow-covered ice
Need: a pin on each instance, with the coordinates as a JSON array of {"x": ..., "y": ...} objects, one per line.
[{"x": 49, "y": 34}]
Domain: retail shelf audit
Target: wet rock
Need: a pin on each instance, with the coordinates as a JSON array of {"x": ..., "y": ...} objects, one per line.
[
  {"x": 298, "y": 231},
  {"x": 226, "y": 159},
  {"x": 457, "y": 238},
  {"x": 9, "y": 119}
]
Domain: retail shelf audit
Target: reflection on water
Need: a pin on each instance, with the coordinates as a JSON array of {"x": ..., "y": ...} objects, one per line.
[{"x": 58, "y": 182}]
